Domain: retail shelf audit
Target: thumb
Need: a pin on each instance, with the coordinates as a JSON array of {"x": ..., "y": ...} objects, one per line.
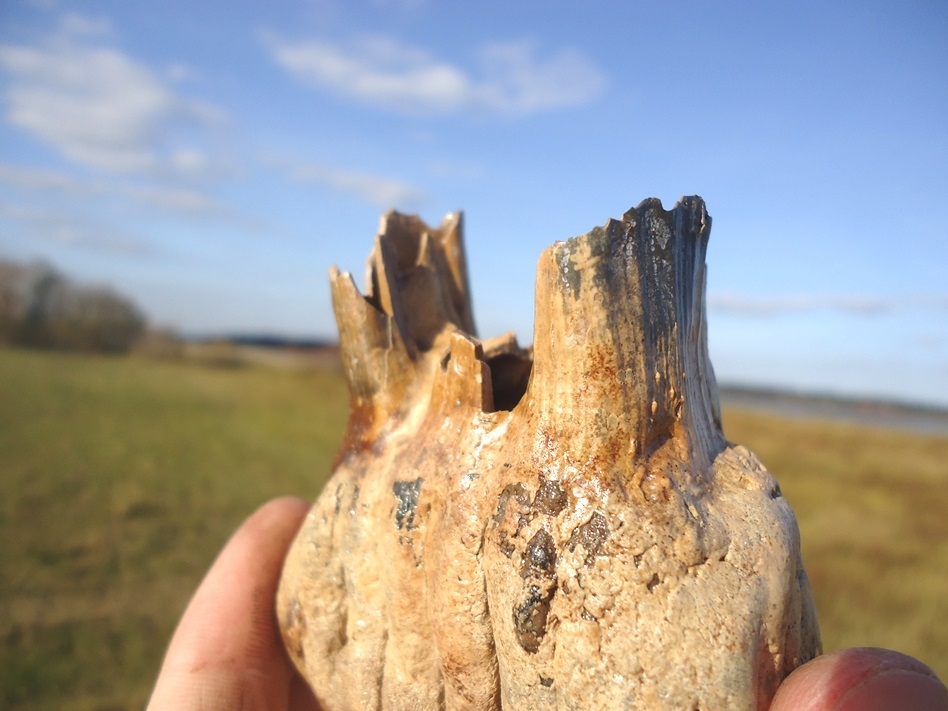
[
  {"x": 227, "y": 652},
  {"x": 865, "y": 679}
]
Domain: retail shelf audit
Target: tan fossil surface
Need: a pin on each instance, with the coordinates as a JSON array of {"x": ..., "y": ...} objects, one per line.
[{"x": 562, "y": 527}]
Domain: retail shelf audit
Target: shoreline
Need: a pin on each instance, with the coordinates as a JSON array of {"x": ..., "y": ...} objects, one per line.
[{"x": 880, "y": 414}]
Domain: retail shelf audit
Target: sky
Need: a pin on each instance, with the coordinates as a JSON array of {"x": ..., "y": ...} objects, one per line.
[{"x": 212, "y": 159}]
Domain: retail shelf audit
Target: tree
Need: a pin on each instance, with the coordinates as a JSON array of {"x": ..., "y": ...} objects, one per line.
[
  {"x": 13, "y": 302},
  {"x": 40, "y": 307}
]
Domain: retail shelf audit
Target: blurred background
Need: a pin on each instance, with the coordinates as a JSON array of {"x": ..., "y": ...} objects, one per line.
[{"x": 177, "y": 178}]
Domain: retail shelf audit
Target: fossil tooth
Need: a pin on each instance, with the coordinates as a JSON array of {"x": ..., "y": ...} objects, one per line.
[{"x": 558, "y": 528}]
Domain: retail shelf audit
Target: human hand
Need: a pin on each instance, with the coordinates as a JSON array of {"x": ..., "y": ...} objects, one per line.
[
  {"x": 227, "y": 653},
  {"x": 865, "y": 679}
]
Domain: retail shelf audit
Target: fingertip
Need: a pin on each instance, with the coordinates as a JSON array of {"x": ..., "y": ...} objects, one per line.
[
  {"x": 256, "y": 549},
  {"x": 863, "y": 679},
  {"x": 287, "y": 503},
  {"x": 284, "y": 512},
  {"x": 227, "y": 642},
  {"x": 280, "y": 516}
]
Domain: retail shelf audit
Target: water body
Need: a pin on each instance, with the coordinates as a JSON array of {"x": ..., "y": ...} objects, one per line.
[{"x": 868, "y": 413}]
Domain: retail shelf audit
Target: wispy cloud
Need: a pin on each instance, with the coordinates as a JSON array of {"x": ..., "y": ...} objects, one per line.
[
  {"x": 511, "y": 78},
  {"x": 377, "y": 190},
  {"x": 38, "y": 181},
  {"x": 461, "y": 171},
  {"x": 75, "y": 25},
  {"x": 740, "y": 305},
  {"x": 72, "y": 229},
  {"x": 96, "y": 105}
]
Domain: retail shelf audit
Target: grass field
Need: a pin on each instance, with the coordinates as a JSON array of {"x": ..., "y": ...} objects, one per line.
[
  {"x": 873, "y": 512},
  {"x": 120, "y": 478}
]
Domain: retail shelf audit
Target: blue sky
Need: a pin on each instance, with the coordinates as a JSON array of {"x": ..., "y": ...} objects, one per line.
[{"x": 212, "y": 159}]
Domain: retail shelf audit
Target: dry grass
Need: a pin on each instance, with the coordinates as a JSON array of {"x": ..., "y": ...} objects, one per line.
[
  {"x": 120, "y": 479},
  {"x": 873, "y": 512}
]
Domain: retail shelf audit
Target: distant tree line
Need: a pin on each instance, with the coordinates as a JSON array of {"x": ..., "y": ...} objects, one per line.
[{"x": 40, "y": 307}]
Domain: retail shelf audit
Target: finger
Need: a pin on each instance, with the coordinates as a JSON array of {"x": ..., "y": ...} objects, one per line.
[
  {"x": 227, "y": 652},
  {"x": 865, "y": 679},
  {"x": 301, "y": 696}
]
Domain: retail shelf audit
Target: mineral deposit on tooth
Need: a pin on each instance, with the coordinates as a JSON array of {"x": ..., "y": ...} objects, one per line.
[{"x": 558, "y": 528}]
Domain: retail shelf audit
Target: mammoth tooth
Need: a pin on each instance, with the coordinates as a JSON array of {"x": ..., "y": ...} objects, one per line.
[{"x": 562, "y": 527}]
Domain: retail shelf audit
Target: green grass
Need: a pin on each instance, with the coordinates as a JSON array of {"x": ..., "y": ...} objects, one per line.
[{"x": 120, "y": 479}]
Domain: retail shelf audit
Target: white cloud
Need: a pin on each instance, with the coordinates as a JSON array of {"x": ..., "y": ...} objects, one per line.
[
  {"x": 37, "y": 180},
  {"x": 456, "y": 171},
  {"x": 190, "y": 161},
  {"x": 512, "y": 80},
  {"x": 76, "y": 25},
  {"x": 54, "y": 206},
  {"x": 72, "y": 229},
  {"x": 179, "y": 200},
  {"x": 517, "y": 83},
  {"x": 740, "y": 305},
  {"x": 180, "y": 72},
  {"x": 379, "y": 191},
  {"x": 184, "y": 201},
  {"x": 95, "y": 104}
]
